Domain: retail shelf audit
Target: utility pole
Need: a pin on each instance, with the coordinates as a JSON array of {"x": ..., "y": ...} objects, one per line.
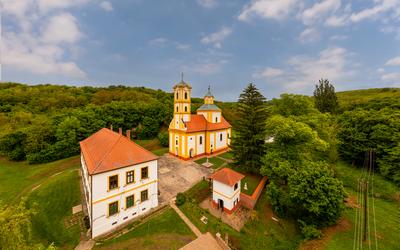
[{"x": 365, "y": 210}]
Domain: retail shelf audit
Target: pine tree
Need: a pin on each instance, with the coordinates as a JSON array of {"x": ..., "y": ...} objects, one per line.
[
  {"x": 325, "y": 97},
  {"x": 248, "y": 144}
]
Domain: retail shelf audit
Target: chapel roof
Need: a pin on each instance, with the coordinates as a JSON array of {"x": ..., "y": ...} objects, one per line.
[
  {"x": 227, "y": 176},
  {"x": 199, "y": 123},
  {"x": 209, "y": 107},
  {"x": 107, "y": 150}
]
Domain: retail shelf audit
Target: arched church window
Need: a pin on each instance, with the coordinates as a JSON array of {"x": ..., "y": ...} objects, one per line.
[
  {"x": 176, "y": 108},
  {"x": 185, "y": 109},
  {"x": 201, "y": 140},
  {"x": 177, "y": 95},
  {"x": 185, "y": 95},
  {"x": 216, "y": 119},
  {"x": 220, "y": 137}
]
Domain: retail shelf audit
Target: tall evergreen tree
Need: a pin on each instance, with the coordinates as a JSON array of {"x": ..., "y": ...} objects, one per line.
[
  {"x": 325, "y": 97},
  {"x": 248, "y": 143}
]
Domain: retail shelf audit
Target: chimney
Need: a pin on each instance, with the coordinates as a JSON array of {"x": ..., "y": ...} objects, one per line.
[
  {"x": 111, "y": 127},
  {"x": 128, "y": 134},
  {"x": 120, "y": 131}
]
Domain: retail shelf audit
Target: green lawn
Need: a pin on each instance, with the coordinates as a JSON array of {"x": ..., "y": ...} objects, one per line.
[
  {"x": 260, "y": 233},
  {"x": 349, "y": 175},
  {"x": 252, "y": 183},
  {"x": 163, "y": 231},
  {"x": 18, "y": 178},
  {"x": 53, "y": 202},
  {"x": 56, "y": 191},
  {"x": 151, "y": 144},
  {"x": 160, "y": 151},
  {"x": 227, "y": 155},
  {"x": 217, "y": 162},
  {"x": 387, "y": 211}
]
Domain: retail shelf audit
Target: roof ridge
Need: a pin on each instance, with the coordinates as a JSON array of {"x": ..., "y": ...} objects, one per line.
[
  {"x": 84, "y": 144},
  {"x": 106, "y": 154},
  {"x": 137, "y": 145}
]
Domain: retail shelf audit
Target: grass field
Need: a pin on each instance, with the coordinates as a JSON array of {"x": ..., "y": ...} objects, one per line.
[
  {"x": 387, "y": 212},
  {"x": 216, "y": 161},
  {"x": 164, "y": 231},
  {"x": 348, "y": 98},
  {"x": 51, "y": 189},
  {"x": 53, "y": 202},
  {"x": 252, "y": 183},
  {"x": 18, "y": 178}
]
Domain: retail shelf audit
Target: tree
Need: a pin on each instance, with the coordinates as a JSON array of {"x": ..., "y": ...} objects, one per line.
[
  {"x": 301, "y": 185},
  {"x": 325, "y": 97},
  {"x": 15, "y": 227},
  {"x": 315, "y": 194},
  {"x": 248, "y": 143}
]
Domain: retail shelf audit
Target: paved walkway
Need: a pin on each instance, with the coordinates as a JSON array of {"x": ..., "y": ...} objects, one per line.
[
  {"x": 204, "y": 242},
  {"x": 192, "y": 227}
]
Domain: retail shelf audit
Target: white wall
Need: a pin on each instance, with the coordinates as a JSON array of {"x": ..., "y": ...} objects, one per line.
[
  {"x": 218, "y": 143},
  {"x": 86, "y": 184},
  {"x": 225, "y": 193},
  {"x": 216, "y": 115},
  {"x": 101, "y": 197},
  {"x": 201, "y": 148}
]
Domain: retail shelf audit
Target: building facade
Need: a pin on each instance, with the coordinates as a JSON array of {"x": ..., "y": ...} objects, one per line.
[
  {"x": 226, "y": 189},
  {"x": 192, "y": 135},
  {"x": 119, "y": 179}
]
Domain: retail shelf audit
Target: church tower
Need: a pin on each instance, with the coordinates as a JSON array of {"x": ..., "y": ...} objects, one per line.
[
  {"x": 209, "y": 110},
  {"x": 182, "y": 95}
]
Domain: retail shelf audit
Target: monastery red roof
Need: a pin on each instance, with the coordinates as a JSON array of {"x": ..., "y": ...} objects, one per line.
[
  {"x": 199, "y": 123},
  {"x": 106, "y": 150},
  {"x": 227, "y": 176}
]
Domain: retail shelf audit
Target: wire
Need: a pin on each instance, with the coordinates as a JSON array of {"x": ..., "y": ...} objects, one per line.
[{"x": 373, "y": 202}]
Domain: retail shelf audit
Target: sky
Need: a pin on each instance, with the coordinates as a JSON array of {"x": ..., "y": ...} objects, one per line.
[{"x": 283, "y": 46}]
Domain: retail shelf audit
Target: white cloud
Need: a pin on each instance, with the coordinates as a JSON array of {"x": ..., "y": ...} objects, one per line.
[
  {"x": 61, "y": 28},
  {"x": 301, "y": 72},
  {"x": 217, "y": 38},
  {"x": 183, "y": 47},
  {"x": 338, "y": 37},
  {"x": 269, "y": 9},
  {"x": 380, "y": 70},
  {"x": 268, "y": 72},
  {"x": 380, "y": 7},
  {"x": 337, "y": 21},
  {"x": 42, "y": 37},
  {"x": 393, "y": 62},
  {"x": 160, "y": 41},
  {"x": 319, "y": 10},
  {"x": 207, "y": 3},
  {"x": 107, "y": 6},
  {"x": 309, "y": 35},
  {"x": 391, "y": 77}
]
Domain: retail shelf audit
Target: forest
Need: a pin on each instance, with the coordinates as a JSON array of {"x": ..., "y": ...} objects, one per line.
[{"x": 44, "y": 123}]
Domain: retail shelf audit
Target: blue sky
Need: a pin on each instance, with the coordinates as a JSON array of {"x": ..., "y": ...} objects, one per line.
[{"x": 280, "y": 45}]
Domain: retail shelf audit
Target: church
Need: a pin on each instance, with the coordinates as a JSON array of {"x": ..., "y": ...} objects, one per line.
[{"x": 193, "y": 135}]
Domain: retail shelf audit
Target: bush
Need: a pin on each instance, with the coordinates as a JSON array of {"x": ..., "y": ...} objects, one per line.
[
  {"x": 309, "y": 231},
  {"x": 180, "y": 199},
  {"x": 163, "y": 137}
]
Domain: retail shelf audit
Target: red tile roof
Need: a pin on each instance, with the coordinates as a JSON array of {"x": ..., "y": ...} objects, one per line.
[
  {"x": 199, "y": 123},
  {"x": 106, "y": 150},
  {"x": 227, "y": 176}
]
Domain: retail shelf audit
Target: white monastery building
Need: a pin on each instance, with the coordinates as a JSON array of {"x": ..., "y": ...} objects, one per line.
[
  {"x": 226, "y": 189},
  {"x": 119, "y": 179}
]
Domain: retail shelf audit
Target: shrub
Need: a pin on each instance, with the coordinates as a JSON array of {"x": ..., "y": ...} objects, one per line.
[
  {"x": 180, "y": 199},
  {"x": 309, "y": 231},
  {"x": 163, "y": 138}
]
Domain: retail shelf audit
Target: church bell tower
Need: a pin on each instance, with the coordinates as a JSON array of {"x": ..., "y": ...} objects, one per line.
[{"x": 182, "y": 95}]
